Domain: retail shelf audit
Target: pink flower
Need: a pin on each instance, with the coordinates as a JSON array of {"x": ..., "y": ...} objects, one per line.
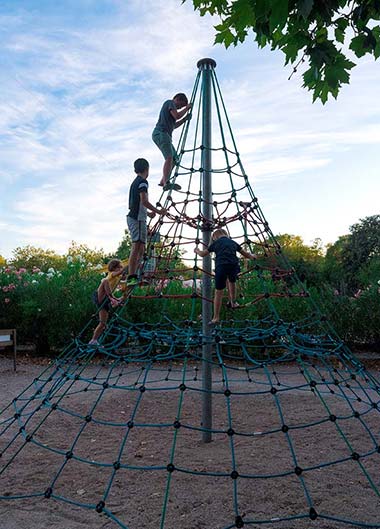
[
  {"x": 7, "y": 270},
  {"x": 7, "y": 300},
  {"x": 22, "y": 271},
  {"x": 5, "y": 289}
]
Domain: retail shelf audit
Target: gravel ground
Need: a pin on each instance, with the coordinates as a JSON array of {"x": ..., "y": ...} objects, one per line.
[{"x": 200, "y": 492}]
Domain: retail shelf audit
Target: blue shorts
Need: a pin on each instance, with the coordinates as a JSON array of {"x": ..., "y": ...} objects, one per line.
[
  {"x": 164, "y": 142},
  {"x": 137, "y": 229},
  {"x": 224, "y": 272}
]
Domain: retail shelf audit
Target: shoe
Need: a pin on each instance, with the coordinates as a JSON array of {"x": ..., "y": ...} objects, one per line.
[
  {"x": 132, "y": 281},
  {"x": 169, "y": 186},
  {"x": 93, "y": 342},
  {"x": 232, "y": 305}
]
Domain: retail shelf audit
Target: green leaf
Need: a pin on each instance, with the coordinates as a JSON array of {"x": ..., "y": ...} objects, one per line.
[
  {"x": 376, "y": 32},
  {"x": 341, "y": 23},
  {"x": 304, "y": 7},
  {"x": 376, "y": 36},
  {"x": 309, "y": 79},
  {"x": 334, "y": 92},
  {"x": 347, "y": 64},
  {"x": 225, "y": 37},
  {"x": 242, "y": 35},
  {"x": 321, "y": 35},
  {"x": 262, "y": 41},
  {"x": 321, "y": 91},
  {"x": 241, "y": 15},
  {"x": 220, "y": 27},
  {"x": 332, "y": 76},
  {"x": 219, "y": 38},
  {"x": 376, "y": 51},
  {"x": 339, "y": 35},
  {"x": 291, "y": 50},
  {"x": 358, "y": 45},
  {"x": 277, "y": 38},
  {"x": 279, "y": 14},
  {"x": 262, "y": 9},
  {"x": 324, "y": 93}
]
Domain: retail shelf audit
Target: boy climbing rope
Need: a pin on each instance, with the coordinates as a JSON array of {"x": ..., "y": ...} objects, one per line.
[
  {"x": 104, "y": 298},
  {"x": 226, "y": 268},
  {"x": 170, "y": 118},
  {"x": 136, "y": 219}
]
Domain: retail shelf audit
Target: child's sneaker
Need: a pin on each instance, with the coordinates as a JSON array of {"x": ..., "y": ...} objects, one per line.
[
  {"x": 93, "y": 342},
  {"x": 132, "y": 281},
  {"x": 169, "y": 185}
]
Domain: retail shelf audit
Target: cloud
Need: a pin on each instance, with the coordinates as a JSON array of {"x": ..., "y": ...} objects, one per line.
[{"x": 81, "y": 97}]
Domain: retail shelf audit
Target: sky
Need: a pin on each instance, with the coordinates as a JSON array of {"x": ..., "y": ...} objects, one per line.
[{"x": 82, "y": 82}]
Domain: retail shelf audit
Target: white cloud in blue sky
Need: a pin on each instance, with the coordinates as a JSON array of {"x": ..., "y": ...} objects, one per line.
[{"x": 82, "y": 83}]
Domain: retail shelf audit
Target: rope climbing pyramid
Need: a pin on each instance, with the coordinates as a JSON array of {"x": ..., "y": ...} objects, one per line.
[{"x": 265, "y": 419}]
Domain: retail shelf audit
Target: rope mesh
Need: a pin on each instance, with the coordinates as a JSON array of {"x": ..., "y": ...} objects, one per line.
[{"x": 296, "y": 421}]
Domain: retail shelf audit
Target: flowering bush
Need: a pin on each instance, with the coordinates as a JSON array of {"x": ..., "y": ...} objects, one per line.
[{"x": 47, "y": 308}]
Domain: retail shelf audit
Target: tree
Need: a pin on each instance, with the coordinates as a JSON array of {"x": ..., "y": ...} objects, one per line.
[
  {"x": 31, "y": 256},
  {"x": 83, "y": 253},
  {"x": 124, "y": 248},
  {"x": 369, "y": 275},
  {"x": 311, "y": 31},
  {"x": 306, "y": 260},
  {"x": 333, "y": 267},
  {"x": 363, "y": 248}
]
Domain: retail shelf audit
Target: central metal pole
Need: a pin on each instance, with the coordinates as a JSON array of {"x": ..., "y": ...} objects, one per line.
[{"x": 206, "y": 66}]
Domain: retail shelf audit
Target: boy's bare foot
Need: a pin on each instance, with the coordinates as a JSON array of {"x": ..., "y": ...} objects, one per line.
[{"x": 213, "y": 322}]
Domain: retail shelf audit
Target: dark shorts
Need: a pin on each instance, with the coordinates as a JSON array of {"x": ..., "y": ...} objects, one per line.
[
  {"x": 105, "y": 305},
  {"x": 224, "y": 272}
]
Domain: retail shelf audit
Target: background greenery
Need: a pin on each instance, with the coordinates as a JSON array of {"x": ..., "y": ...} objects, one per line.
[{"x": 47, "y": 297}]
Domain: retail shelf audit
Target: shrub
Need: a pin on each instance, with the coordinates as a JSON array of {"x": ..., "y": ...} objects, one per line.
[{"x": 47, "y": 308}]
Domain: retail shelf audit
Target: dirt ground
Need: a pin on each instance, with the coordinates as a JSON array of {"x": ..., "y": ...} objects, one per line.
[{"x": 85, "y": 424}]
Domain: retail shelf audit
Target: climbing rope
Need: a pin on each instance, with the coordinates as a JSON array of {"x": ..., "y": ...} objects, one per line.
[{"x": 293, "y": 406}]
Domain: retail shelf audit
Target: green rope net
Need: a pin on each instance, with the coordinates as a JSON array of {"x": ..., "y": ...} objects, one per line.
[{"x": 295, "y": 416}]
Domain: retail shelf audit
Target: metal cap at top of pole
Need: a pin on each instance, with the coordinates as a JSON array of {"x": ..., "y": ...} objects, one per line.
[{"x": 203, "y": 63}]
